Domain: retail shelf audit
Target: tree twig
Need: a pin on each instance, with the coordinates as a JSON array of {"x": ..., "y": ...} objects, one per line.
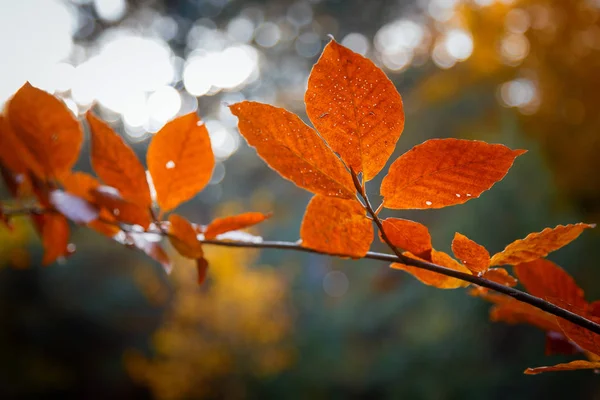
[{"x": 391, "y": 258}]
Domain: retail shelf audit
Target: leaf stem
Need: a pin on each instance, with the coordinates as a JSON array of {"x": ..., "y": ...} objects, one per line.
[{"x": 390, "y": 258}]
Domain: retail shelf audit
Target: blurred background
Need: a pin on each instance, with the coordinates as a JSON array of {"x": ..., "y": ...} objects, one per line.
[{"x": 108, "y": 322}]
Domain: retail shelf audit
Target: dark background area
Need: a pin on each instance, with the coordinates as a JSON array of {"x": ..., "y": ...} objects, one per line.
[{"x": 108, "y": 322}]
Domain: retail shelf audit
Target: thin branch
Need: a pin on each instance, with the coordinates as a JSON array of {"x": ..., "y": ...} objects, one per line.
[
  {"x": 391, "y": 258},
  {"x": 514, "y": 293}
]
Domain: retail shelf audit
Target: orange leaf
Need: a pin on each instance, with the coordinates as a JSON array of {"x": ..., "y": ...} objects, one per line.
[
  {"x": 433, "y": 278},
  {"x": 106, "y": 224},
  {"x": 293, "y": 149},
  {"x": 511, "y": 311},
  {"x": 473, "y": 255},
  {"x": 570, "y": 366},
  {"x": 55, "y": 237},
  {"x": 584, "y": 338},
  {"x": 202, "y": 268},
  {"x": 542, "y": 278},
  {"x": 232, "y": 223},
  {"x": 13, "y": 153},
  {"x": 116, "y": 163},
  {"x": 444, "y": 172},
  {"x": 75, "y": 208},
  {"x": 336, "y": 226},
  {"x": 47, "y": 129},
  {"x": 539, "y": 244},
  {"x": 409, "y": 235},
  {"x": 121, "y": 209},
  {"x": 180, "y": 160},
  {"x": 80, "y": 184},
  {"x": 499, "y": 275},
  {"x": 184, "y": 238},
  {"x": 355, "y": 107}
]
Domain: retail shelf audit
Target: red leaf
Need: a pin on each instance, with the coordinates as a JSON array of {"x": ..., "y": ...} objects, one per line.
[
  {"x": 473, "y": 255},
  {"x": 55, "y": 236},
  {"x": 499, "y": 275},
  {"x": 180, "y": 160},
  {"x": 121, "y": 209},
  {"x": 116, "y": 163},
  {"x": 47, "y": 128},
  {"x": 355, "y": 107},
  {"x": 233, "y": 223},
  {"x": 202, "y": 268},
  {"x": 409, "y": 235},
  {"x": 573, "y": 365},
  {"x": 539, "y": 244},
  {"x": 336, "y": 226},
  {"x": 542, "y": 278},
  {"x": 293, "y": 149},
  {"x": 433, "y": 278},
  {"x": 445, "y": 172},
  {"x": 184, "y": 238}
]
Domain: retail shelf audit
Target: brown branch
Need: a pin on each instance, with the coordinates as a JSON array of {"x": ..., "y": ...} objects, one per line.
[
  {"x": 397, "y": 257},
  {"x": 514, "y": 293}
]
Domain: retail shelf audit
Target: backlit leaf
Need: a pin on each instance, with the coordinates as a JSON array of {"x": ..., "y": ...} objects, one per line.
[
  {"x": 13, "y": 153},
  {"x": 233, "y": 223},
  {"x": 293, "y": 149},
  {"x": 116, "y": 163},
  {"x": 55, "y": 236},
  {"x": 336, "y": 226},
  {"x": 433, "y": 278},
  {"x": 202, "y": 269},
  {"x": 355, "y": 107},
  {"x": 573, "y": 365},
  {"x": 409, "y": 235},
  {"x": 511, "y": 311},
  {"x": 584, "y": 338},
  {"x": 180, "y": 160},
  {"x": 539, "y": 244},
  {"x": 444, "y": 172},
  {"x": 499, "y": 275},
  {"x": 542, "y": 278},
  {"x": 47, "y": 128},
  {"x": 474, "y": 256},
  {"x": 121, "y": 209},
  {"x": 80, "y": 184},
  {"x": 183, "y": 237},
  {"x": 73, "y": 207}
]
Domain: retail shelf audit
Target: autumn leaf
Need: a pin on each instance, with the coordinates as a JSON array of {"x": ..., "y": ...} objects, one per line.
[
  {"x": 474, "y": 256},
  {"x": 47, "y": 129},
  {"x": 293, "y": 149},
  {"x": 336, "y": 226},
  {"x": 233, "y": 223},
  {"x": 409, "y": 235},
  {"x": 444, "y": 172},
  {"x": 116, "y": 163},
  {"x": 121, "y": 209},
  {"x": 584, "y": 338},
  {"x": 13, "y": 153},
  {"x": 75, "y": 208},
  {"x": 202, "y": 269},
  {"x": 355, "y": 107},
  {"x": 80, "y": 184},
  {"x": 180, "y": 160},
  {"x": 511, "y": 311},
  {"x": 539, "y": 244},
  {"x": 55, "y": 236},
  {"x": 542, "y": 278},
  {"x": 106, "y": 224},
  {"x": 499, "y": 275},
  {"x": 573, "y": 365},
  {"x": 433, "y": 278},
  {"x": 183, "y": 237},
  {"x": 558, "y": 343}
]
